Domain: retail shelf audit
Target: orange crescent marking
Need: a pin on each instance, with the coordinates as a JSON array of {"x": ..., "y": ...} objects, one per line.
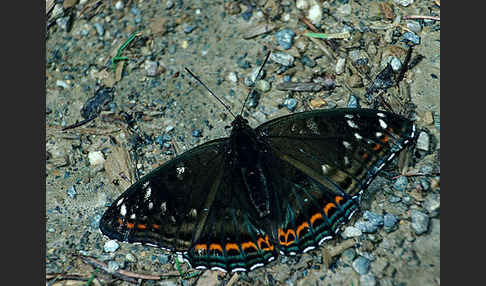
[
  {"x": 315, "y": 217},
  {"x": 260, "y": 240},
  {"x": 327, "y": 207},
  {"x": 200, "y": 247},
  {"x": 377, "y": 147},
  {"x": 301, "y": 227},
  {"x": 130, "y": 225},
  {"x": 390, "y": 129},
  {"x": 385, "y": 139},
  {"x": 142, "y": 226},
  {"x": 364, "y": 156},
  {"x": 156, "y": 226},
  {"x": 248, "y": 244},
  {"x": 120, "y": 221},
  {"x": 230, "y": 246},
  {"x": 215, "y": 246},
  {"x": 338, "y": 199}
]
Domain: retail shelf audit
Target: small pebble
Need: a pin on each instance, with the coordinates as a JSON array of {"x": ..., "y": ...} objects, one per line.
[
  {"x": 285, "y": 38},
  {"x": 305, "y": 60},
  {"x": 131, "y": 258},
  {"x": 353, "y": 102},
  {"x": 340, "y": 65},
  {"x": 62, "y": 84},
  {"x": 317, "y": 102},
  {"x": 374, "y": 218},
  {"x": 111, "y": 246},
  {"x": 404, "y": 3},
  {"x": 151, "y": 68},
  {"x": 95, "y": 221},
  {"x": 367, "y": 280},
  {"x": 119, "y": 5},
  {"x": 414, "y": 26},
  {"x": 432, "y": 204},
  {"x": 389, "y": 222},
  {"x": 423, "y": 141},
  {"x": 163, "y": 258},
  {"x": 366, "y": 226},
  {"x": 233, "y": 77},
  {"x": 64, "y": 23},
  {"x": 282, "y": 58},
  {"x": 315, "y": 13},
  {"x": 290, "y": 103},
  {"x": 401, "y": 183},
  {"x": 411, "y": 37},
  {"x": 57, "y": 11},
  {"x": 302, "y": 4},
  {"x": 169, "y": 128},
  {"x": 99, "y": 29},
  {"x": 188, "y": 28},
  {"x": 361, "y": 265},
  {"x": 197, "y": 133},
  {"x": 420, "y": 222},
  {"x": 113, "y": 266},
  {"x": 349, "y": 255},
  {"x": 96, "y": 158},
  {"x": 428, "y": 118},
  {"x": 351, "y": 231},
  {"x": 394, "y": 199},
  {"x": 71, "y": 192},
  {"x": 344, "y": 10},
  {"x": 396, "y": 64},
  {"x": 262, "y": 85}
]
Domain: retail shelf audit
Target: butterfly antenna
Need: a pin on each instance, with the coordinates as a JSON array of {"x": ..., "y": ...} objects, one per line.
[
  {"x": 212, "y": 93},
  {"x": 254, "y": 83}
]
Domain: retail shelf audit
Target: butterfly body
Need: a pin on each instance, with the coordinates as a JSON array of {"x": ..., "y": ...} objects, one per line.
[{"x": 285, "y": 187}]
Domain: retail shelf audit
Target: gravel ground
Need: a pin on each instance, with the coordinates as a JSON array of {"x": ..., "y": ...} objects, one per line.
[{"x": 149, "y": 109}]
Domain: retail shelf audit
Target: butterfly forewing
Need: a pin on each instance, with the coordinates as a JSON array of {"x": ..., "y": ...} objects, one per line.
[
  {"x": 165, "y": 206},
  {"x": 324, "y": 159}
]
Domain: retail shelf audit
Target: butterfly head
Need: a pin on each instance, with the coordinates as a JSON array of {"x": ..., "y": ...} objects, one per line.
[{"x": 239, "y": 124}]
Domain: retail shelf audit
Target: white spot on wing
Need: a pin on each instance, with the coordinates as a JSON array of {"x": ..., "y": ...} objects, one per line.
[
  {"x": 349, "y": 116},
  {"x": 352, "y": 124},
  {"x": 346, "y": 144},
  {"x": 379, "y": 114},
  {"x": 359, "y": 137},
  {"x": 325, "y": 169},
  {"x": 133, "y": 216},
  {"x": 308, "y": 249},
  {"x": 123, "y": 210},
  {"x": 382, "y": 123},
  {"x": 120, "y": 201},
  {"x": 379, "y": 134},
  {"x": 324, "y": 239},
  {"x": 150, "y": 205},
  {"x": 148, "y": 193}
]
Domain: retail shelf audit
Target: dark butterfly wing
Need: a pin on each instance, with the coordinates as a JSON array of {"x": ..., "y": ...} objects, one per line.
[
  {"x": 165, "y": 206},
  {"x": 325, "y": 158},
  {"x": 196, "y": 205}
]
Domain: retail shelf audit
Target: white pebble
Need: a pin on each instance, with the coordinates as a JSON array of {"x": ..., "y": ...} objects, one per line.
[
  {"x": 340, "y": 65},
  {"x": 315, "y": 13},
  {"x": 232, "y": 77},
  {"x": 96, "y": 158},
  {"x": 119, "y": 5},
  {"x": 62, "y": 84}
]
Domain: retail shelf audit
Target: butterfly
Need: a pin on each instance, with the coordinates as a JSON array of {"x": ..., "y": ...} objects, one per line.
[{"x": 285, "y": 187}]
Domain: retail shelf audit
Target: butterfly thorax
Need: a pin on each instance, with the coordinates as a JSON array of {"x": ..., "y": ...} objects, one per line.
[{"x": 246, "y": 157}]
